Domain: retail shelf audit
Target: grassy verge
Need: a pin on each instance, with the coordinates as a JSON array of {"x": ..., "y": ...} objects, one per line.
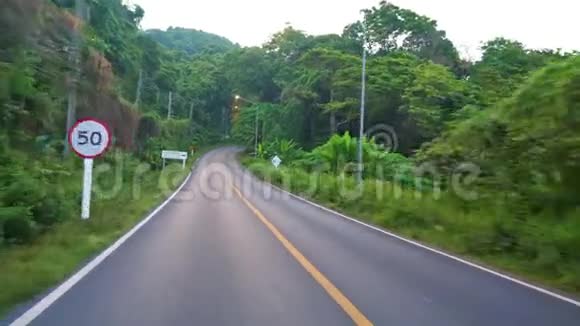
[
  {"x": 536, "y": 248},
  {"x": 124, "y": 192}
]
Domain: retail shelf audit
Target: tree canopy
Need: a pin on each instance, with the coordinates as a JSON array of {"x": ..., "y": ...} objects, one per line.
[
  {"x": 190, "y": 41},
  {"x": 514, "y": 113}
]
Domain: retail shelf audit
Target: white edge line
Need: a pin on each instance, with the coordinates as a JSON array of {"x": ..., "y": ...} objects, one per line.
[
  {"x": 506, "y": 277},
  {"x": 53, "y": 296}
]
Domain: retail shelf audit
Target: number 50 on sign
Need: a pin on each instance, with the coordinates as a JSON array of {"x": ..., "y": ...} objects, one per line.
[{"x": 89, "y": 138}]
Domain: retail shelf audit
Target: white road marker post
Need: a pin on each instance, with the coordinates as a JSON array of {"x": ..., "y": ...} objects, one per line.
[
  {"x": 87, "y": 188},
  {"x": 89, "y": 138}
]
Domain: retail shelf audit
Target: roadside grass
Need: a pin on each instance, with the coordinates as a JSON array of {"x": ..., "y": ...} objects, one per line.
[
  {"x": 537, "y": 248},
  {"x": 28, "y": 270}
]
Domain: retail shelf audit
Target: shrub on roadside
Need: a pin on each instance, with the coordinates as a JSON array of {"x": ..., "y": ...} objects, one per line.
[
  {"x": 490, "y": 228},
  {"x": 16, "y": 224},
  {"x": 52, "y": 209}
]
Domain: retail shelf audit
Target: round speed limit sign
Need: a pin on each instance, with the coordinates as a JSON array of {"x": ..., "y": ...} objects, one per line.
[{"x": 89, "y": 138}]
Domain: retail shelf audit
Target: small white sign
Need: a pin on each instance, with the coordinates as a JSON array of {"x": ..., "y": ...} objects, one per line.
[
  {"x": 276, "y": 161},
  {"x": 174, "y": 155}
]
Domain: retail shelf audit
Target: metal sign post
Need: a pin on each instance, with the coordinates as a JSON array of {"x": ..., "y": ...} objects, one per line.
[{"x": 89, "y": 138}]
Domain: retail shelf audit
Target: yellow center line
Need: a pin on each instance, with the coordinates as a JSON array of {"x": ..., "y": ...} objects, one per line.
[{"x": 356, "y": 315}]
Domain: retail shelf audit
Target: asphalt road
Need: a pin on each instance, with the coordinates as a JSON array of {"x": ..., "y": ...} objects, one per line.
[{"x": 213, "y": 257}]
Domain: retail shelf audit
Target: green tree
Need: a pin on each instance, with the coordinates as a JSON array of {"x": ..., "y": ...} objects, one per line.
[
  {"x": 435, "y": 95},
  {"x": 250, "y": 72},
  {"x": 334, "y": 78},
  {"x": 289, "y": 44},
  {"x": 505, "y": 65},
  {"x": 391, "y": 28}
]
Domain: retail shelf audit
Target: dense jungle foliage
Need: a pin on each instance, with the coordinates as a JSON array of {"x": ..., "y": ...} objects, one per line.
[
  {"x": 115, "y": 72},
  {"x": 512, "y": 116},
  {"x": 491, "y": 146}
]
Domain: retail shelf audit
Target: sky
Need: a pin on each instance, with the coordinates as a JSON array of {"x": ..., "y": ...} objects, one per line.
[{"x": 538, "y": 24}]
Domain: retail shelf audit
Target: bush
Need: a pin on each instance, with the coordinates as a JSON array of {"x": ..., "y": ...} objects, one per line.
[
  {"x": 24, "y": 191},
  {"x": 52, "y": 209},
  {"x": 13, "y": 212},
  {"x": 17, "y": 229},
  {"x": 15, "y": 224},
  {"x": 287, "y": 150},
  {"x": 527, "y": 144}
]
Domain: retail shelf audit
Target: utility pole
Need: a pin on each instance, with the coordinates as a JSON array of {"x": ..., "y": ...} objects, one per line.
[
  {"x": 139, "y": 87},
  {"x": 224, "y": 127},
  {"x": 191, "y": 111},
  {"x": 362, "y": 110},
  {"x": 256, "y": 136},
  {"x": 238, "y": 98},
  {"x": 169, "y": 105},
  {"x": 75, "y": 74}
]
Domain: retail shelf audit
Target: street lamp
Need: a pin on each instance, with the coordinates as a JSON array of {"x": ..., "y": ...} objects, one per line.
[
  {"x": 362, "y": 108},
  {"x": 238, "y": 97}
]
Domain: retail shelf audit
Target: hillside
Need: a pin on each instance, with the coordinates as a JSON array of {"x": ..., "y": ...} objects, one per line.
[
  {"x": 54, "y": 65},
  {"x": 191, "y": 41}
]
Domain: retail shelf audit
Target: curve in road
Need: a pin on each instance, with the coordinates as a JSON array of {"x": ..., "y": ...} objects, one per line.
[{"x": 220, "y": 253}]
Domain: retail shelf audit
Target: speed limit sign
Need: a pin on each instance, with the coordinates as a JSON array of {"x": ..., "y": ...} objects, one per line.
[{"x": 89, "y": 138}]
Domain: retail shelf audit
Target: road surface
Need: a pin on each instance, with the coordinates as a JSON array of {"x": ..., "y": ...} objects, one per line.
[{"x": 224, "y": 252}]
